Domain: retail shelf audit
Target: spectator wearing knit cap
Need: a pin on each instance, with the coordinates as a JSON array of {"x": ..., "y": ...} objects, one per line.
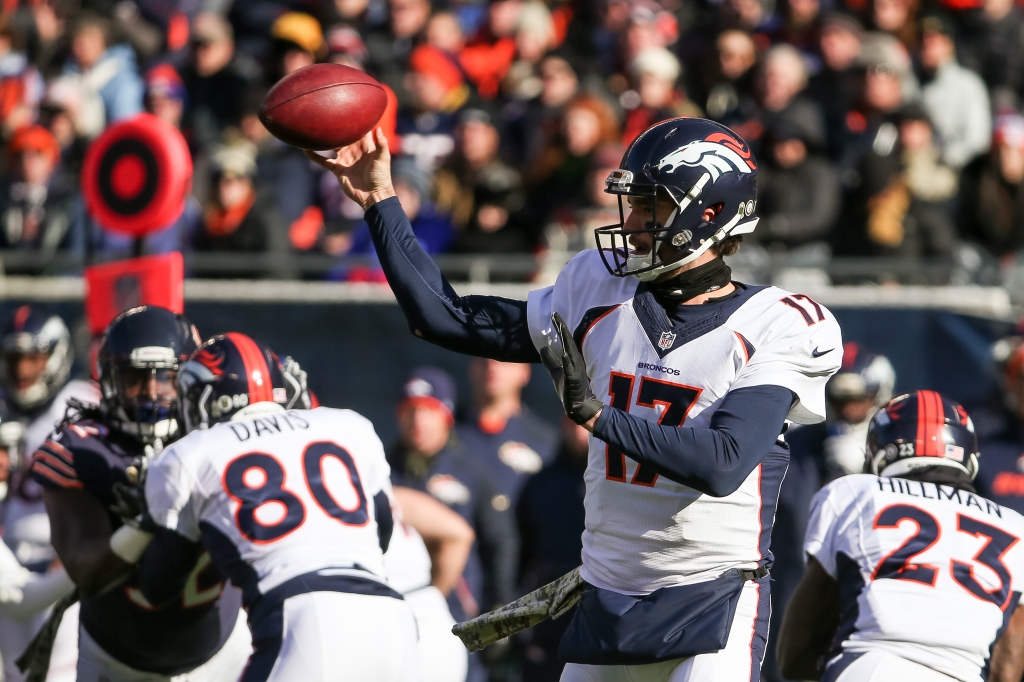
[
  {"x": 954, "y": 97},
  {"x": 165, "y": 94},
  {"x": 437, "y": 94},
  {"x": 37, "y": 201},
  {"x": 655, "y": 96},
  {"x": 237, "y": 218},
  {"x": 298, "y": 41},
  {"x": 216, "y": 79},
  {"x": 992, "y": 192}
]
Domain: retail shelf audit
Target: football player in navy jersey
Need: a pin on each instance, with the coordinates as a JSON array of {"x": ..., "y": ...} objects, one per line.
[
  {"x": 686, "y": 380},
  {"x": 86, "y": 468}
]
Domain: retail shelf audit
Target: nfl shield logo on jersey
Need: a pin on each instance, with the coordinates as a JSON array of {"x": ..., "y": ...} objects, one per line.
[{"x": 666, "y": 341}]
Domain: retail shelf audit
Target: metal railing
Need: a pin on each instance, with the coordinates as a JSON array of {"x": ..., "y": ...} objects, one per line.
[{"x": 475, "y": 268}]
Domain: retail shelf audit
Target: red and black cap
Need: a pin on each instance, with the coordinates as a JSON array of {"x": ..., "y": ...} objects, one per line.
[{"x": 921, "y": 429}]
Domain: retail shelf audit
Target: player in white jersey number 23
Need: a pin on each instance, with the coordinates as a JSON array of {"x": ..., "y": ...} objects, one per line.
[{"x": 911, "y": 575}]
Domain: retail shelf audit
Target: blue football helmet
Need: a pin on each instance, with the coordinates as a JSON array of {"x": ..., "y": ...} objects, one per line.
[
  {"x": 921, "y": 429},
  {"x": 697, "y": 164},
  {"x": 31, "y": 330},
  {"x": 137, "y": 365},
  {"x": 231, "y": 373}
]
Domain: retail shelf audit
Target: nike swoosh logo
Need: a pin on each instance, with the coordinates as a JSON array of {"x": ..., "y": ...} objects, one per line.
[{"x": 818, "y": 354}]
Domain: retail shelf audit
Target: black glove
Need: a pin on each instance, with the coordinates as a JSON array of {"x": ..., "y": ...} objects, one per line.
[
  {"x": 569, "y": 372},
  {"x": 130, "y": 505}
]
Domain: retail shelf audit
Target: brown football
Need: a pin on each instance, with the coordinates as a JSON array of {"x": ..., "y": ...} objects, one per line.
[{"x": 323, "y": 106}]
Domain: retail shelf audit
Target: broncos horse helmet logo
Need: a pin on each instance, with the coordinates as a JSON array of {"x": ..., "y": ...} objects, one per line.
[{"x": 717, "y": 153}]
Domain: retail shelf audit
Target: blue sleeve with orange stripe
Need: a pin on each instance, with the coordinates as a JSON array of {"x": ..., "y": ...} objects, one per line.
[
  {"x": 714, "y": 460},
  {"x": 484, "y": 326},
  {"x": 53, "y": 466},
  {"x": 74, "y": 457}
]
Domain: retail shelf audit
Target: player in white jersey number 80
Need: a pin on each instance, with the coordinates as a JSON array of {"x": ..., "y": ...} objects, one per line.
[
  {"x": 685, "y": 378},
  {"x": 910, "y": 575}
]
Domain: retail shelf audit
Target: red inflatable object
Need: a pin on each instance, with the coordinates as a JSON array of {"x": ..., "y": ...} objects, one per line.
[
  {"x": 137, "y": 175},
  {"x": 323, "y": 106},
  {"x": 112, "y": 288}
]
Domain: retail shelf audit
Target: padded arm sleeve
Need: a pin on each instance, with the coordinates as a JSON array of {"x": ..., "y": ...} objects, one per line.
[
  {"x": 485, "y": 326},
  {"x": 166, "y": 565},
  {"x": 385, "y": 520},
  {"x": 714, "y": 460}
]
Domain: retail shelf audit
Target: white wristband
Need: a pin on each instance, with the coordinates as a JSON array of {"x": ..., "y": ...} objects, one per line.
[{"x": 128, "y": 542}]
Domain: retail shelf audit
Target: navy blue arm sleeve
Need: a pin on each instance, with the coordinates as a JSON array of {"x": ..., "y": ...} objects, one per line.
[
  {"x": 714, "y": 460},
  {"x": 485, "y": 326},
  {"x": 166, "y": 564}
]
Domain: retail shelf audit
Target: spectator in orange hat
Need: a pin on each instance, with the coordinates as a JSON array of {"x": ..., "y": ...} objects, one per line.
[
  {"x": 298, "y": 41},
  {"x": 36, "y": 200},
  {"x": 438, "y": 92}
]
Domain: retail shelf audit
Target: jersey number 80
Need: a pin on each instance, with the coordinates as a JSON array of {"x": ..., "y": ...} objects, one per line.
[{"x": 254, "y": 491}]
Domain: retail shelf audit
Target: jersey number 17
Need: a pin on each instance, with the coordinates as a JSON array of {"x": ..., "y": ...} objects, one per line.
[{"x": 677, "y": 399}]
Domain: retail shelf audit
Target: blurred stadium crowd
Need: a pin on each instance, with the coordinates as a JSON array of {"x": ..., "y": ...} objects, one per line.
[{"x": 885, "y": 129}]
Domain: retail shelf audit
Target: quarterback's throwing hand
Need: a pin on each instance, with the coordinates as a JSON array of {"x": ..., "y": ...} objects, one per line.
[
  {"x": 363, "y": 168},
  {"x": 570, "y": 375}
]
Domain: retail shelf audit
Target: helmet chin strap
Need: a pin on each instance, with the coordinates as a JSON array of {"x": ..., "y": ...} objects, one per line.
[{"x": 651, "y": 257}]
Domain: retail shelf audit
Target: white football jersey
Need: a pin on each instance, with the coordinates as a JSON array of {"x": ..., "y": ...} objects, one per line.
[
  {"x": 287, "y": 493},
  {"x": 643, "y": 531},
  {"x": 407, "y": 561},
  {"x": 927, "y": 572}
]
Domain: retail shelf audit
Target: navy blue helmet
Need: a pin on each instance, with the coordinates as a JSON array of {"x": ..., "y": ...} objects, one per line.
[
  {"x": 29, "y": 331},
  {"x": 696, "y": 164},
  {"x": 137, "y": 365},
  {"x": 229, "y": 373},
  {"x": 921, "y": 429}
]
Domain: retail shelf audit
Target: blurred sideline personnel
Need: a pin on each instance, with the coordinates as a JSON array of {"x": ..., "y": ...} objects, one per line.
[
  {"x": 819, "y": 453},
  {"x": 694, "y": 380},
  {"x": 37, "y": 357},
  {"x": 428, "y": 457},
  {"x": 501, "y": 431},
  {"x": 294, "y": 506},
  {"x": 37, "y": 363},
  {"x": 910, "y": 575},
  {"x": 1002, "y": 478},
  {"x": 428, "y": 552},
  {"x": 551, "y": 523},
  {"x": 87, "y": 467},
  {"x": 26, "y": 595}
]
